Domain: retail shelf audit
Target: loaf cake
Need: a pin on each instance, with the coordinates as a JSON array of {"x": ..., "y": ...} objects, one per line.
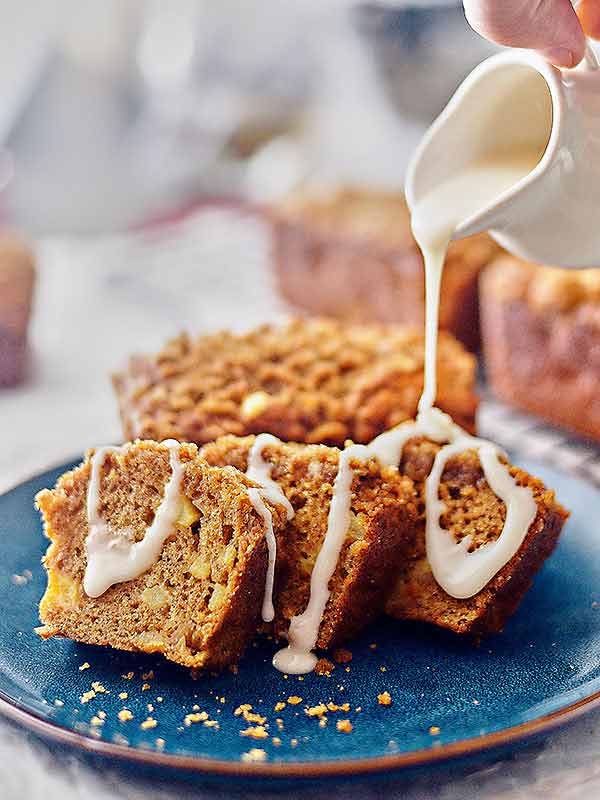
[
  {"x": 312, "y": 381},
  {"x": 382, "y": 514},
  {"x": 199, "y": 602},
  {"x": 471, "y": 507},
  {"x": 350, "y": 254},
  {"x": 541, "y": 337},
  {"x": 17, "y": 277}
]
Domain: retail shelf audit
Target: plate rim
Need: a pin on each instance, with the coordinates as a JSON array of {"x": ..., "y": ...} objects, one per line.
[
  {"x": 85, "y": 743},
  {"x": 48, "y": 729}
]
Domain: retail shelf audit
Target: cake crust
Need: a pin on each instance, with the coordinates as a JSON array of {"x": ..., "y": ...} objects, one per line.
[
  {"x": 199, "y": 604},
  {"x": 312, "y": 381}
]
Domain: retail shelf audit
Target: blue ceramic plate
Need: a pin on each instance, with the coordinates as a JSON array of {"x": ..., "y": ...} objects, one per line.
[{"x": 450, "y": 698}]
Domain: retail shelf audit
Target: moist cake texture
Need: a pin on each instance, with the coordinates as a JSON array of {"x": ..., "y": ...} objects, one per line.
[
  {"x": 356, "y": 246},
  {"x": 471, "y": 507},
  {"x": 199, "y": 604},
  {"x": 312, "y": 381},
  {"x": 541, "y": 336},
  {"x": 383, "y": 515}
]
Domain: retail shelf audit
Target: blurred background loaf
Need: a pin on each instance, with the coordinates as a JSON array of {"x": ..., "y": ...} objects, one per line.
[
  {"x": 356, "y": 246},
  {"x": 541, "y": 341},
  {"x": 17, "y": 275}
]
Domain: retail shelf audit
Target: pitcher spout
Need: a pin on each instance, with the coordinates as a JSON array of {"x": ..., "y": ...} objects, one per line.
[{"x": 503, "y": 112}]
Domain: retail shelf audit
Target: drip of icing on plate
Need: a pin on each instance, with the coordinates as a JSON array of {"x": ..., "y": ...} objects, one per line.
[
  {"x": 113, "y": 556},
  {"x": 259, "y": 471}
]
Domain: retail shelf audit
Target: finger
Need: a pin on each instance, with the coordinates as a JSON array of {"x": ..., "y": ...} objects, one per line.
[
  {"x": 588, "y": 12},
  {"x": 549, "y": 26}
]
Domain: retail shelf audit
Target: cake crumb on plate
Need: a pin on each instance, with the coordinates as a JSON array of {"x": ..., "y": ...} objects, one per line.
[
  {"x": 384, "y": 699},
  {"x": 257, "y": 732}
]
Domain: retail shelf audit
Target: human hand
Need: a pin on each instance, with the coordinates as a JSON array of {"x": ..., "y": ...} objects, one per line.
[{"x": 552, "y": 27}]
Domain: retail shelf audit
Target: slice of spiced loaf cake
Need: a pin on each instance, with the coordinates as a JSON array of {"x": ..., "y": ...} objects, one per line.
[
  {"x": 381, "y": 529},
  {"x": 471, "y": 508},
  {"x": 154, "y": 550}
]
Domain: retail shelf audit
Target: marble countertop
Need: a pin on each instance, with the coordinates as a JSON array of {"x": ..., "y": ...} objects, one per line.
[{"x": 97, "y": 301}]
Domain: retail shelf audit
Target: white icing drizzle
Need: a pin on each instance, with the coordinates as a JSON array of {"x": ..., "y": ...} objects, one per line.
[
  {"x": 434, "y": 219},
  {"x": 434, "y": 264},
  {"x": 268, "y": 611},
  {"x": 259, "y": 471},
  {"x": 437, "y": 215},
  {"x": 297, "y": 657},
  {"x": 112, "y": 555},
  {"x": 459, "y": 572}
]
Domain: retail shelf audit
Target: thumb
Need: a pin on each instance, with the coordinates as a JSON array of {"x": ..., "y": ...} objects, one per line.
[{"x": 549, "y": 26}]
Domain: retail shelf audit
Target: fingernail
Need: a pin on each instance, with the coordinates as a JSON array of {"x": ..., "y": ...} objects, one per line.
[{"x": 559, "y": 56}]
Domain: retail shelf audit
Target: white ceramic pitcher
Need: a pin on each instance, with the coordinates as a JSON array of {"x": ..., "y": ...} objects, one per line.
[{"x": 515, "y": 99}]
